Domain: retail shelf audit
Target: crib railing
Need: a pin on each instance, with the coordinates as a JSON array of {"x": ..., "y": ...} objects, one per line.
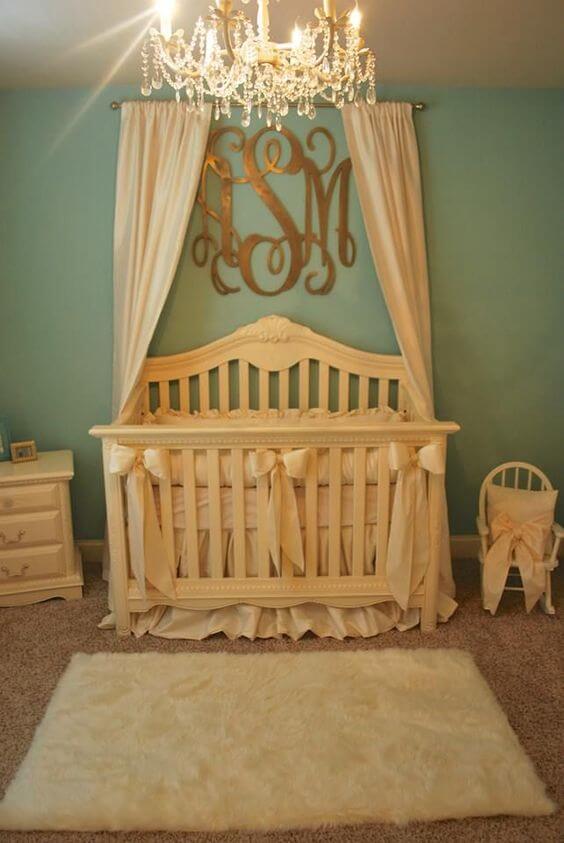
[
  {"x": 274, "y": 363},
  {"x": 263, "y": 489},
  {"x": 236, "y": 384}
]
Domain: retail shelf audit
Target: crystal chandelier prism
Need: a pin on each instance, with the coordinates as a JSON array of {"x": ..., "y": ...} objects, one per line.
[{"x": 229, "y": 61}]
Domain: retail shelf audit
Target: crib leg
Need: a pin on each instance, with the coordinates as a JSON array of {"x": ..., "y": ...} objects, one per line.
[
  {"x": 431, "y": 587},
  {"x": 428, "y": 617},
  {"x": 118, "y": 547},
  {"x": 546, "y": 599},
  {"x": 482, "y": 584}
]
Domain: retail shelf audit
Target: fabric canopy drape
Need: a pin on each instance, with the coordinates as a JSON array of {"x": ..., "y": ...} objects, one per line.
[
  {"x": 385, "y": 160},
  {"x": 160, "y": 157},
  {"x": 161, "y": 152}
]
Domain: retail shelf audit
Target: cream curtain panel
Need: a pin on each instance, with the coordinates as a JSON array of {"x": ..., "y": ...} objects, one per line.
[
  {"x": 385, "y": 159},
  {"x": 160, "y": 157},
  {"x": 161, "y": 151}
]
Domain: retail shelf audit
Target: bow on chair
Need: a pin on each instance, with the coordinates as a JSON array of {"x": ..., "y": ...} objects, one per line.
[
  {"x": 515, "y": 544},
  {"x": 148, "y": 555},
  {"x": 283, "y": 518},
  {"x": 409, "y": 540}
]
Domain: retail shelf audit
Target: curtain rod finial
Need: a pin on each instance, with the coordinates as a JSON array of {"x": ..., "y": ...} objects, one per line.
[
  {"x": 419, "y": 106},
  {"x": 115, "y": 105}
]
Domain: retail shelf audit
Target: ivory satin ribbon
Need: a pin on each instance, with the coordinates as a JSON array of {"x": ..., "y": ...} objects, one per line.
[
  {"x": 283, "y": 518},
  {"x": 148, "y": 555},
  {"x": 409, "y": 541},
  {"x": 515, "y": 544}
]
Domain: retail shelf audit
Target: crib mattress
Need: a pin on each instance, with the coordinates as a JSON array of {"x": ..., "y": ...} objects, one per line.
[{"x": 226, "y": 502}]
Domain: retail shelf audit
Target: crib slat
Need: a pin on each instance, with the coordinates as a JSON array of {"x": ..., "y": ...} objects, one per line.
[
  {"x": 383, "y": 392},
  {"x": 167, "y": 529},
  {"x": 184, "y": 394},
  {"x": 359, "y": 511},
  {"x": 363, "y": 393},
  {"x": 146, "y": 406},
  {"x": 402, "y": 396},
  {"x": 311, "y": 542},
  {"x": 224, "y": 387},
  {"x": 304, "y": 385},
  {"x": 204, "y": 383},
  {"x": 243, "y": 385},
  {"x": 516, "y": 481},
  {"x": 286, "y": 564},
  {"x": 215, "y": 514},
  {"x": 383, "y": 509},
  {"x": 164, "y": 395},
  {"x": 503, "y": 476},
  {"x": 529, "y": 480},
  {"x": 344, "y": 385},
  {"x": 264, "y": 397},
  {"x": 323, "y": 385},
  {"x": 284, "y": 389},
  {"x": 238, "y": 492},
  {"x": 262, "y": 528},
  {"x": 334, "y": 512},
  {"x": 190, "y": 514}
]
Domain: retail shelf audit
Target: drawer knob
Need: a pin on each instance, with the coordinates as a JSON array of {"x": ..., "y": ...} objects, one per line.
[
  {"x": 4, "y": 540},
  {"x": 7, "y": 573}
]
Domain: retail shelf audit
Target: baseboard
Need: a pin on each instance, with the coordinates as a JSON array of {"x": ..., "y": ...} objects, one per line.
[
  {"x": 92, "y": 550},
  {"x": 464, "y": 547}
]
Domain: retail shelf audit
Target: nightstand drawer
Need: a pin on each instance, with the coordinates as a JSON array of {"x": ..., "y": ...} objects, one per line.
[
  {"x": 30, "y": 528},
  {"x": 34, "y": 563},
  {"x": 28, "y": 498}
]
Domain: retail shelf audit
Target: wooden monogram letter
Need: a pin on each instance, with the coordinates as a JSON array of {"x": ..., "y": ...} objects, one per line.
[{"x": 290, "y": 253}]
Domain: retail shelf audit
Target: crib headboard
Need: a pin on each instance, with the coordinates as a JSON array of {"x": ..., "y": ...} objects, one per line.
[{"x": 274, "y": 363}]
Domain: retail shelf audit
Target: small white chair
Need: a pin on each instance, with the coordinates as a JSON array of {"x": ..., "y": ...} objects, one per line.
[{"x": 518, "y": 475}]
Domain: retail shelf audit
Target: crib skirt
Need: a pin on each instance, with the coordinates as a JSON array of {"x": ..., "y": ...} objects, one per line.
[{"x": 246, "y": 621}]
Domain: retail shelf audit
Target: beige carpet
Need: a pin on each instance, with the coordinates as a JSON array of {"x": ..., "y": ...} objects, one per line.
[
  {"x": 519, "y": 655},
  {"x": 212, "y": 742}
]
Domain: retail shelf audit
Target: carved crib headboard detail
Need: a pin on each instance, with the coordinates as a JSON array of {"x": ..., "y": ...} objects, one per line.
[{"x": 274, "y": 362}]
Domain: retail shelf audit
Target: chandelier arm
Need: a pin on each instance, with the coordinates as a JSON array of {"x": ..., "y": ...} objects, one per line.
[{"x": 227, "y": 38}]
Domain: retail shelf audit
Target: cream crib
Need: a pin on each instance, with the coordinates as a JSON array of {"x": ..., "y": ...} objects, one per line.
[{"x": 273, "y": 363}]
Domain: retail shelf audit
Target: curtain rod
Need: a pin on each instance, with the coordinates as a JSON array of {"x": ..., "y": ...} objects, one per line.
[{"x": 117, "y": 104}]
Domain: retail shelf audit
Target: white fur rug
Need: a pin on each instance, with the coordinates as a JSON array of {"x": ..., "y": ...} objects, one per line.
[{"x": 164, "y": 742}]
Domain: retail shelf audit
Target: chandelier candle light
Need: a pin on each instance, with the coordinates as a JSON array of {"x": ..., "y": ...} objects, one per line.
[{"x": 229, "y": 61}]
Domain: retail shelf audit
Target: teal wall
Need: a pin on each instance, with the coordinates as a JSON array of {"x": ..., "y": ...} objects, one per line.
[{"x": 493, "y": 176}]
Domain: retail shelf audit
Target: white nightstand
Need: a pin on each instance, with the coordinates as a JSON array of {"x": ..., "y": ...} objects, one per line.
[{"x": 38, "y": 557}]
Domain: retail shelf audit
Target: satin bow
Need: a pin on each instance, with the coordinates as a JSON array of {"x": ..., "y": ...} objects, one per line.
[
  {"x": 148, "y": 555},
  {"x": 409, "y": 541},
  {"x": 430, "y": 457},
  {"x": 283, "y": 518},
  {"x": 520, "y": 544}
]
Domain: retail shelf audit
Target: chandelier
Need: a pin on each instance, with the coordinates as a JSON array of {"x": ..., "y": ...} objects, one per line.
[{"x": 230, "y": 62}]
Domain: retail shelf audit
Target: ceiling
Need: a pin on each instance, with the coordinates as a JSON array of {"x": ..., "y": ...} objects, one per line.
[{"x": 493, "y": 43}]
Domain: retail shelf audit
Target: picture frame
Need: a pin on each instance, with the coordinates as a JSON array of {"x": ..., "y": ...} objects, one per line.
[
  {"x": 24, "y": 451},
  {"x": 5, "y": 440}
]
